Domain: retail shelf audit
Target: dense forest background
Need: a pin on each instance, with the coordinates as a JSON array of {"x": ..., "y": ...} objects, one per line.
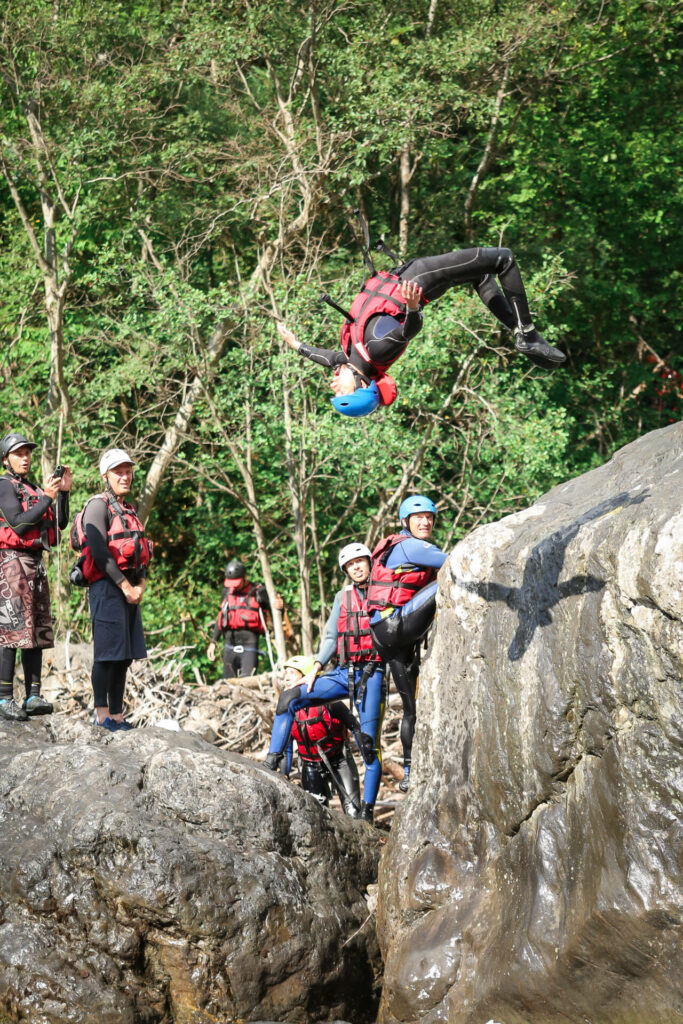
[{"x": 175, "y": 173}]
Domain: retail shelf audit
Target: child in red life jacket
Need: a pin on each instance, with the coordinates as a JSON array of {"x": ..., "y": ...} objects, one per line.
[
  {"x": 387, "y": 314},
  {"x": 241, "y": 621},
  {"x": 321, "y": 733}
]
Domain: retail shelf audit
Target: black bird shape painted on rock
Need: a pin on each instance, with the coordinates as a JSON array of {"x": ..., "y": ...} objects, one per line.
[{"x": 541, "y": 590}]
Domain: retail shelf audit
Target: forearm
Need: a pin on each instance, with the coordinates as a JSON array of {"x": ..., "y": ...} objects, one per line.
[
  {"x": 323, "y": 356},
  {"x": 328, "y": 646}
]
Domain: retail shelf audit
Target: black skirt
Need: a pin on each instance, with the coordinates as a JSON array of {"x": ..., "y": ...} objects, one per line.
[{"x": 116, "y": 625}]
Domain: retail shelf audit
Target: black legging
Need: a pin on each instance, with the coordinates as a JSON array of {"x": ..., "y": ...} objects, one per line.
[
  {"x": 397, "y": 638},
  {"x": 315, "y": 779},
  {"x": 240, "y": 653},
  {"x": 31, "y": 662},
  {"x": 108, "y": 684},
  {"x": 436, "y": 274}
]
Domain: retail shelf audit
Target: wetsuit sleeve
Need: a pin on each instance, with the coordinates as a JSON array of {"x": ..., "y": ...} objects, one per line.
[
  {"x": 417, "y": 552},
  {"x": 328, "y": 647},
  {"x": 341, "y": 712},
  {"x": 323, "y": 356},
  {"x": 261, "y": 595},
  {"x": 95, "y": 528},
  {"x": 10, "y": 506},
  {"x": 63, "y": 509},
  {"x": 217, "y": 631}
]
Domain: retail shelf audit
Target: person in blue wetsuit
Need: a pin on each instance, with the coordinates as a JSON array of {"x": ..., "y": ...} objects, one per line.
[
  {"x": 401, "y": 602},
  {"x": 359, "y": 675}
]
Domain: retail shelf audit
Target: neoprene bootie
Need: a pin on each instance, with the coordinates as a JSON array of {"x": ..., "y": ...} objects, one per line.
[
  {"x": 37, "y": 705},
  {"x": 272, "y": 761},
  {"x": 367, "y": 812},
  {"x": 404, "y": 784},
  {"x": 530, "y": 343},
  {"x": 10, "y": 709}
]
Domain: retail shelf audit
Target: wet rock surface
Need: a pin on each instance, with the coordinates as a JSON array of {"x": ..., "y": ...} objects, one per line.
[
  {"x": 149, "y": 877},
  {"x": 533, "y": 873}
]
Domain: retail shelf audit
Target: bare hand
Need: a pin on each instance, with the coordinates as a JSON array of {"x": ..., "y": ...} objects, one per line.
[
  {"x": 412, "y": 293},
  {"x": 67, "y": 480},
  {"x": 133, "y": 595},
  {"x": 51, "y": 486},
  {"x": 288, "y": 336},
  {"x": 211, "y": 651},
  {"x": 279, "y": 603},
  {"x": 309, "y": 679}
]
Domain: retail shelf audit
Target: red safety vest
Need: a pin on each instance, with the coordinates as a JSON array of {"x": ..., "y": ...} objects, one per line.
[
  {"x": 126, "y": 539},
  {"x": 240, "y": 610},
  {"x": 314, "y": 725},
  {"x": 354, "y": 639},
  {"x": 377, "y": 296},
  {"x": 38, "y": 537},
  {"x": 394, "y": 587}
]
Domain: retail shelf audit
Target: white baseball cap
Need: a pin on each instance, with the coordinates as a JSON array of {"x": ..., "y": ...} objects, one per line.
[{"x": 114, "y": 457}]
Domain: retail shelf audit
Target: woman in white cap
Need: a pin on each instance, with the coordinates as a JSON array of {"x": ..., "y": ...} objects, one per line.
[
  {"x": 29, "y": 525},
  {"x": 114, "y": 557}
]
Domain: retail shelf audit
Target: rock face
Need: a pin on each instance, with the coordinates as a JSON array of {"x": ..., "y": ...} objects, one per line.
[
  {"x": 149, "y": 877},
  {"x": 532, "y": 875}
]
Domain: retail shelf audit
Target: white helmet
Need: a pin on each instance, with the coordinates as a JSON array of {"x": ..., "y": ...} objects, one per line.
[
  {"x": 352, "y": 551},
  {"x": 114, "y": 457}
]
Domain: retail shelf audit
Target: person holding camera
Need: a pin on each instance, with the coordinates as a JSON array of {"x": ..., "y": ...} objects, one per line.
[
  {"x": 115, "y": 554},
  {"x": 29, "y": 525}
]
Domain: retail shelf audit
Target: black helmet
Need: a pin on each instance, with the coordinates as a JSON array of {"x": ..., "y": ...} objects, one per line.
[
  {"x": 12, "y": 441},
  {"x": 234, "y": 570}
]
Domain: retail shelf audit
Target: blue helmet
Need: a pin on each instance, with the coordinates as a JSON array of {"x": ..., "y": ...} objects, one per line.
[
  {"x": 416, "y": 503},
  {"x": 361, "y": 402}
]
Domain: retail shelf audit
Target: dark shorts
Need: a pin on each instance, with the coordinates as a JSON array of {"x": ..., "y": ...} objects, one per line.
[{"x": 116, "y": 625}]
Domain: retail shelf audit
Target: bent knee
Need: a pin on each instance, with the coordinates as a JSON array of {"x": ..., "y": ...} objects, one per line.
[{"x": 286, "y": 698}]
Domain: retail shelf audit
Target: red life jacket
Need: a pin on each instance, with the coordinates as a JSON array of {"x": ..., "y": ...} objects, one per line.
[
  {"x": 354, "y": 639},
  {"x": 395, "y": 586},
  {"x": 314, "y": 725},
  {"x": 240, "y": 609},
  {"x": 379, "y": 295},
  {"x": 126, "y": 539},
  {"x": 37, "y": 538}
]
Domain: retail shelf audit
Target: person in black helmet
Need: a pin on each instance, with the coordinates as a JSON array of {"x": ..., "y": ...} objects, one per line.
[
  {"x": 29, "y": 525},
  {"x": 240, "y": 621},
  {"x": 387, "y": 314}
]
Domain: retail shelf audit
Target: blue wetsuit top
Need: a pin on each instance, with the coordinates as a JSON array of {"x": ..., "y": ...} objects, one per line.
[{"x": 416, "y": 552}]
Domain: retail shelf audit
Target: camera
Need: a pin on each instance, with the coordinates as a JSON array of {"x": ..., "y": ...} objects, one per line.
[{"x": 58, "y": 472}]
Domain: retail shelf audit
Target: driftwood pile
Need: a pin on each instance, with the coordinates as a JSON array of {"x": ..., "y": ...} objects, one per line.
[{"x": 236, "y": 715}]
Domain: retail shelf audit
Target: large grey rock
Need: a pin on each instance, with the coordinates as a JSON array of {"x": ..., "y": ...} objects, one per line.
[
  {"x": 149, "y": 877},
  {"x": 533, "y": 875}
]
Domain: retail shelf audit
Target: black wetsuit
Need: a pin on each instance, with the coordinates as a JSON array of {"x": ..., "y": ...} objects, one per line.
[{"x": 386, "y": 337}]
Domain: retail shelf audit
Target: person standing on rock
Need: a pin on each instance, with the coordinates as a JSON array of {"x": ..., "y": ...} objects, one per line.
[
  {"x": 241, "y": 621},
  {"x": 401, "y": 603},
  {"x": 359, "y": 675},
  {"x": 115, "y": 554},
  {"x": 29, "y": 525},
  {"x": 387, "y": 314},
  {"x": 321, "y": 734}
]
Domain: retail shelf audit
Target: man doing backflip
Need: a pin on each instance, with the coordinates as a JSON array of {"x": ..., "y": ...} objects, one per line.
[{"x": 387, "y": 314}]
